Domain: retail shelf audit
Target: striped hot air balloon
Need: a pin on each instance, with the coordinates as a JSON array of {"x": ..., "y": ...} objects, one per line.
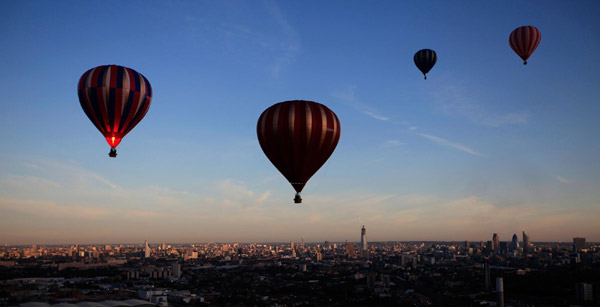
[
  {"x": 115, "y": 99},
  {"x": 524, "y": 40},
  {"x": 298, "y": 136},
  {"x": 425, "y": 59}
]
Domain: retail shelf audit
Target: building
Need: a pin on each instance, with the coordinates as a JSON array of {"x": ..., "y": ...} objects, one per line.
[
  {"x": 578, "y": 244},
  {"x": 349, "y": 249},
  {"x": 486, "y": 269},
  {"x": 495, "y": 243},
  {"x": 146, "y": 250},
  {"x": 499, "y": 292},
  {"x": 318, "y": 256},
  {"x": 364, "y": 248},
  {"x": 503, "y": 248},
  {"x": 176, "y": 270},
  {"x": 489, "y": 247},
  {"x": 515, "y": 242},
  {"x": 526, "y": 243},
  {"x": 584, "y": 292}
]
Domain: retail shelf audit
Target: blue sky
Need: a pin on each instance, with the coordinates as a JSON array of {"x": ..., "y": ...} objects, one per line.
[{"x": 485, "y": 145}]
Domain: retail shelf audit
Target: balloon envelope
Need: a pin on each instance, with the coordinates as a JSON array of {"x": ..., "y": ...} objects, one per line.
[
  {"x": 298, "y": 136},
  {"x": 115, "y": 99},
  {"x": 524, "y": 40},
  {"x": 425, "y": 59}
]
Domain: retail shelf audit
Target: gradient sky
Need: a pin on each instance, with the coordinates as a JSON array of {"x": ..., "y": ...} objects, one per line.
[{"x": 485, "y": 145}]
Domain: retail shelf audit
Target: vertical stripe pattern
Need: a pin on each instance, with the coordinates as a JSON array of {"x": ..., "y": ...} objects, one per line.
[
  {"x": 115, "y": 99},
  {"x": 298, "y": 137},
  {"x": 524, "y": 40},
  {"x": 425, "y": 59}
]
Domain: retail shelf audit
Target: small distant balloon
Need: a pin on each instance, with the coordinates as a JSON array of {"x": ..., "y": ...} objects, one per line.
[
  {"x": 115, "y": 99},
  {"x": 298, "y": 137},
  {"x": 524, "y": 40},
  {"x": 425, "y": 59}
]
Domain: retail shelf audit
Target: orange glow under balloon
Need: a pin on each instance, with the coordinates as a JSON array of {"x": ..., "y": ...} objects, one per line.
[{"x": 113, "y": 140}]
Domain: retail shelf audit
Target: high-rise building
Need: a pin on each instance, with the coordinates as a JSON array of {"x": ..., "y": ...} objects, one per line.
[
  {"x": 349, "y": 249},
  {"x": 467, "y": 244},
  {"x": 578, "y": 244},
  {"x": 499, "y": 292},
  {"x": 176, "y": 269},
  {"x": 526, "y": 243},
  {"x": 503, "y": 247},
  {"x": 515, "y": 242},
  {"x": 496, "y": 243},
  {"x": 584, "y": 292},
  {"x": 486, "y": 268},
  {"x": 146, "y": 250},
  {"x": 364, "y": 248}
]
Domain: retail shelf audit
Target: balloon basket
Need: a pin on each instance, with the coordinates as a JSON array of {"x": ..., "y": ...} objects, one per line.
[
  {"x": 113, "y": 153},
  {"x": 297, "y": 199}
]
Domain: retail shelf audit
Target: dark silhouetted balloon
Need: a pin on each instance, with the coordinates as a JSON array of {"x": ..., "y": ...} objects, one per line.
[
  {"x": 115, "y": 99},
  {"x": 524, "y": 40},
  {"x": 298, "y": 136},
  {"x": 425, "y": 59}
]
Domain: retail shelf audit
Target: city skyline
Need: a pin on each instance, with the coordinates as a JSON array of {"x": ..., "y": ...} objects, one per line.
[
  {"x": 362, "y": 243},
  {"x": 484, "y": 145}
]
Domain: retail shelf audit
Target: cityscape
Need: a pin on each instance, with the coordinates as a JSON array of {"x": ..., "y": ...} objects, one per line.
[
  {"x": 517, "y": 272},
  {"x": 275, "y": 153}
]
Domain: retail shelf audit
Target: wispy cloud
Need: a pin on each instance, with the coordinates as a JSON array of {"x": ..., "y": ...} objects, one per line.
[
  {"x": 455, "y": 101},
  {"x": 289, "y": 46},
  {"x": 51, "y": 209},
  {"x": 376, "y": 116},
  {"x": 394, "y": 143},
  {"x": 348, "y": 96},
  {"x": 561, "y": 179},
  {"x": 443, "y": 142}
]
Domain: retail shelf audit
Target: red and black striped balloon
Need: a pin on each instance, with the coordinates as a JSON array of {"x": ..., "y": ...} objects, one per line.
[
  {"x": 524, "y": 40},
  {"x": 115, "y": 99},
  {"x": 298, "y": 137}
]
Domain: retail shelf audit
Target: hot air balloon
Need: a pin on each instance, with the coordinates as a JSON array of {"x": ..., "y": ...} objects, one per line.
[
  {"x": 298, "y": 136},
  {"x": 115, "y": 99},
  {"x": 425, "y": 59},
  {"x": 524, "y": 40}
]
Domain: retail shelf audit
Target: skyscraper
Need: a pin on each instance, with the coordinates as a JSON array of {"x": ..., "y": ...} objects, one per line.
[
  {"x": 486, "y": 268},
  {"x": 578, "y": 244},
  {"x": 349, "y": 249},
  {"x": 176, "y": 269},
  {"x": 146, "y": 250},
  {"x": 515, "y": 242},
  {"x": 584, "y": 292},
  {"x": 499, "y": 292},
  {"x": 526, "y": 243},
  {"x": 364, "y": 248},
  {"x": 496, "y": 243}
]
